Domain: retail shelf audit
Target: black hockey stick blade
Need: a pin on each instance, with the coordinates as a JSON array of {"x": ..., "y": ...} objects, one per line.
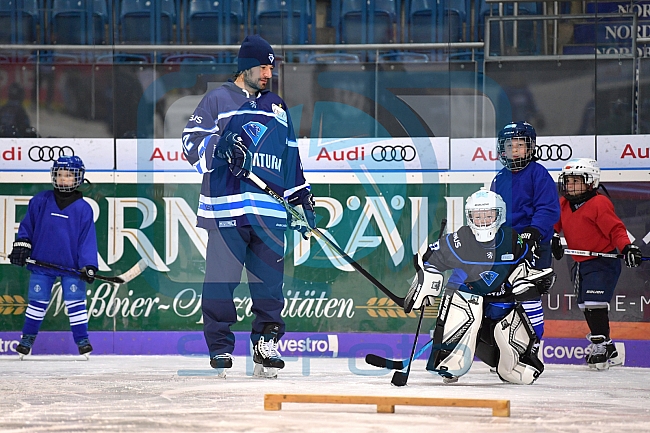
[
  {"x": 381, "y": 362},
  {"x": 395, "y": 364},
  {"x": 400, "y": 378}
]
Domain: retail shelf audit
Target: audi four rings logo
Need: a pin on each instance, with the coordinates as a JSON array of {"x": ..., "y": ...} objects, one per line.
[
  {"x": 48, "y": 153},
  {"x": 553, "y": 152},
  {"x": 393, "y": 153}
]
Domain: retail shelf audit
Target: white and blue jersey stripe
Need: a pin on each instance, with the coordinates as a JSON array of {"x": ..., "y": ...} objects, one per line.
[{"x": 264, "y": 124}]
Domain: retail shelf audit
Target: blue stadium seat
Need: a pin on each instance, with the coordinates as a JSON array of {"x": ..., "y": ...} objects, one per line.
[
  {"x": 214, "y": 22},
  {"x": 191, "y": 59},
  {"x": 283, "y": 21},
  {"x": 422, "y": 17},
  {"x": 334, "y": 58},
  {"x": 528, "y": 32},
  {"x": 121, "y": 58},
  {"x": 19, "y": 20},
  {"x": 367, "y": 21},
  {"x": 78, "y": 22},
  {"x": 454, "y": 16},
  {"x": 403, "y": 57},
  {"x": 147, "y": 21}
]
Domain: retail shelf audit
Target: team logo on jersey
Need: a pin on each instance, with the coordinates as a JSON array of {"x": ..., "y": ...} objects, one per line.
[
  {"x": 489, "y": 277},
  {"x": 37, "y": 288},
  {"x": 279, "y": 112},
  {"x": 73, "y": 288},
  {"x": 253, "y": 104},
  {"x": 255, "y": 131},
  {"x": 490, "y": 254}
]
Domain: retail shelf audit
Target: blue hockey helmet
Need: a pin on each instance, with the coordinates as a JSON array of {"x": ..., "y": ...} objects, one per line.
[
  {"x": 72, "y": 164},
  {"x": 516, "y": 130}
]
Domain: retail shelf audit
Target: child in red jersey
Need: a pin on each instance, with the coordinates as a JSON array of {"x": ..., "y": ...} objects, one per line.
[{"x": 589, "y": 223}]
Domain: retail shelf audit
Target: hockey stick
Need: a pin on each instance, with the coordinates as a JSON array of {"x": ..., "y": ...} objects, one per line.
[
  {"x": 395, "y": 364},
  {"x": 125, "y": 277},
  {"x": 263, "y": 186},
  {"x": 595, "y": 254},
  {"x": 400, "y": 377}
]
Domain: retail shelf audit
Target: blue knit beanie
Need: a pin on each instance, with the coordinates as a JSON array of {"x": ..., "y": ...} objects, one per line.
[{"x": 254, "y": 51}]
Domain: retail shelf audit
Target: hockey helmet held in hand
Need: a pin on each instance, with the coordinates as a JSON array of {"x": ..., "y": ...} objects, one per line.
[
  {"x": 485, "y": 212},
  {"x": 67, "y": 173},
  {"x": 516, "y": 131},
  {"x": 586, "y": 168}
]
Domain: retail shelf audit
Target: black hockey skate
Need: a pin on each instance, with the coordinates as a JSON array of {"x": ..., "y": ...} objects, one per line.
[
  {"x": 603, "y": 353},
  {"x": 84, "y": 347},
  {"x": 24, "y": 348},
  {"x": 221, "y": 362},
  {"x": 266, "y": 357}
]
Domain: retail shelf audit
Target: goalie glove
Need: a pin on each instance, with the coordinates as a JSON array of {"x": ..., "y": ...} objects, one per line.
[
  {"x": 427, "y": 284},
  {"x": 529, "y": 283}
]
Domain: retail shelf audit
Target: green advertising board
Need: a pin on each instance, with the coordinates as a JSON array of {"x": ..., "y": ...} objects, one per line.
[{"x": 380, "y": 226}]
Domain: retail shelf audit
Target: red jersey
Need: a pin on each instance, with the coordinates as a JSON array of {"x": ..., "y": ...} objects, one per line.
[{"x": 594, "y": 226}]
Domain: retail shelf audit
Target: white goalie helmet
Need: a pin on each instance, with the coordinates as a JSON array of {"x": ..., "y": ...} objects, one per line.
[
  {"x": 586, "y": 167},
  {"x": 485, "y": 212}
]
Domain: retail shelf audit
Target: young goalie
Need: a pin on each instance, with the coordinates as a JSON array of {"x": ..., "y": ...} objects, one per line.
[{"x": 480, "y": 312}]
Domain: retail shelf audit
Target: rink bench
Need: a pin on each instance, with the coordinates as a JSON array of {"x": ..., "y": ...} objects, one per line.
[{"x": 386, "y": 404}]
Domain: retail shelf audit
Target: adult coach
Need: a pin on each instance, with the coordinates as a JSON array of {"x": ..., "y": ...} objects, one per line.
[{"x": 238, "y": 128}]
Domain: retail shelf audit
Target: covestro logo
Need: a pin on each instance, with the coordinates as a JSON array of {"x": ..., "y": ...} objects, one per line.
[{"x": 556, "y": 351}]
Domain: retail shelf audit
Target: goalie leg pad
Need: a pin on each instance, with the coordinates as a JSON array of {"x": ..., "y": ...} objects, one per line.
[
  {"x": 454, "y": 339},
  {"x": 515, "y": 338}
]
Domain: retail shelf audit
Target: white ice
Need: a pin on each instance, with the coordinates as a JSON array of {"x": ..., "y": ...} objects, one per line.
[{"x": 175, "y": 393}]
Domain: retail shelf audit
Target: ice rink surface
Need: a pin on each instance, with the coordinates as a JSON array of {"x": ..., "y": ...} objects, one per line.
[{"x": 181, "y": 394}]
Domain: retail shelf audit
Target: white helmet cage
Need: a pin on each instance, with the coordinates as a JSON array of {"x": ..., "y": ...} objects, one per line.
[
  {"x": 586, "y": 167},
  {"x": 484, "y": 200}
]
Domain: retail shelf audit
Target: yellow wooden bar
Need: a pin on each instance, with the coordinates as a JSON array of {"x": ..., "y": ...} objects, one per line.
[{"x": 386, "y": 404}]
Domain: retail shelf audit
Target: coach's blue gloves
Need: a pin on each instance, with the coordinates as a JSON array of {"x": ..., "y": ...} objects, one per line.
[
  {"x": 22, "y": 248},
  {"x": 303, "y": 203},
  {"x": 632, "y": 256},
  {"x": 232, "y": 148}
]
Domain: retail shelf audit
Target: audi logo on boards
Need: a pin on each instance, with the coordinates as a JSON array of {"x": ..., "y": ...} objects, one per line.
[
  {"x": 553, "y": 152},
  {"x": 48, "y": 153},
  {"x": 393, "y": 153}
]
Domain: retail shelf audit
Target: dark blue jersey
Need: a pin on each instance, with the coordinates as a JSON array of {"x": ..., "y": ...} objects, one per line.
[
  {"x": 531, "y": 198},
  {"x": 479, "y": 267},
  {"x": 62, "y": 237},
  {"x": 265, "y": 126}
]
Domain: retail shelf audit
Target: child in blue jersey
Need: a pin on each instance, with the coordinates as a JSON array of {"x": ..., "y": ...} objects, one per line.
[
  {"x": 59, "y": 228},
  {"x": 238, "y": 128},
  {"x": 532, "y": 201}
]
